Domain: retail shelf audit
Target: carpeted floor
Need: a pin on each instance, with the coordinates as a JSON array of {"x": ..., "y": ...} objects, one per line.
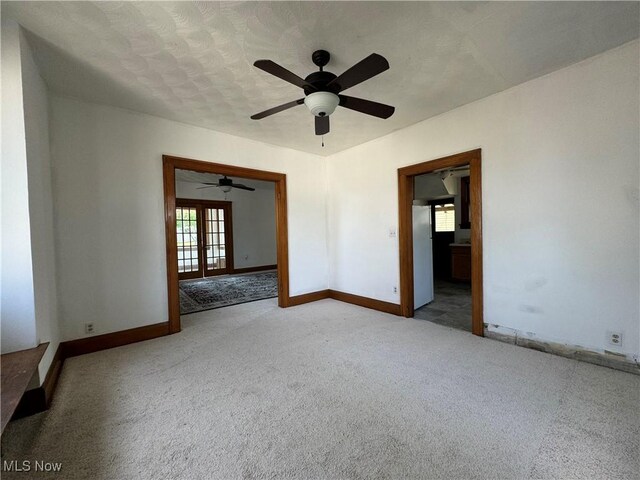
[
  {"x": 215, "y": 292},
  {"x": 330, "y": 390}
]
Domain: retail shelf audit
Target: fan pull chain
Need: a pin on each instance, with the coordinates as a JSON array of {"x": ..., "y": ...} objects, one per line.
[{"x": 322, "y": 141}]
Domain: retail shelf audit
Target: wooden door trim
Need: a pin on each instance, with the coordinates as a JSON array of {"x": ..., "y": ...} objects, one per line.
[
  {"x": 405, "y": 227},
  {"x": 169, "y": 165}
]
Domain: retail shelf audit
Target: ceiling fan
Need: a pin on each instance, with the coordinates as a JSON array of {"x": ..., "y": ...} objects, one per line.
[
  {"x": 323, "y": 89},
  {"x": 226, "y": 184}
]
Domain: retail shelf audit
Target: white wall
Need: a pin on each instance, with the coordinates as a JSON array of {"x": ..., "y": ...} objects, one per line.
[
  {"x": 36, "y": 118},
  {"x": 29, "y": 303},
  {"x": 560, "y": 202},
  {"x": 17, "y": 295},
  {"x": 109, "y": 218},
  {"x": 253, "y": 218}
]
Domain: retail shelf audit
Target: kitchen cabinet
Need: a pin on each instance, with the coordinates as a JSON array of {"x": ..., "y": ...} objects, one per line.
[{"x": 460, "y": 262}]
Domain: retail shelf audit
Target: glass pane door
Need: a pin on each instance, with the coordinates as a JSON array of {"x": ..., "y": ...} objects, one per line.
[
  {"x": 188, "y": 242},
  {"x": 215, "y": 241}
]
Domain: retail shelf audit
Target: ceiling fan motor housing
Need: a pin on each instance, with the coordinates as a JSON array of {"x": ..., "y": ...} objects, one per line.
[{"x": 320, "y": 81}]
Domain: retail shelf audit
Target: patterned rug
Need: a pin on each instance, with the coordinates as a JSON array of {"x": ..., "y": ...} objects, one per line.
[{"x": 215, "y": 292}]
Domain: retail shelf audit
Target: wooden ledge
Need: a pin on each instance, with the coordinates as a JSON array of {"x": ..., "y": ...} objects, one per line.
[{"x": 17, "y": 370}]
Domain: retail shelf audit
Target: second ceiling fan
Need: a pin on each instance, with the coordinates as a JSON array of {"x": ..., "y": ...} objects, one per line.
[
  {"x": 226, "y": 184},
  {"x": 323, "y": 89}
]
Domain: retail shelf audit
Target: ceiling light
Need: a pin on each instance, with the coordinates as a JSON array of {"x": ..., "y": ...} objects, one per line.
[{"x": 322, "y": 104}]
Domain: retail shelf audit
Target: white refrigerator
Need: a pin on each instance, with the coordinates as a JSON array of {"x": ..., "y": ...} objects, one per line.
[{"x": 422, "y": 256}]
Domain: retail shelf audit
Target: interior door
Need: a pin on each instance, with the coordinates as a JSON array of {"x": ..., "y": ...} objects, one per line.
[
  {"x": 218, "y": 244},
  {"x": 443, "y": 235},
  {"x": 422, "y": 256},
  {"x": 205, "y": 242},
  {"x": 188, "y": 241}
]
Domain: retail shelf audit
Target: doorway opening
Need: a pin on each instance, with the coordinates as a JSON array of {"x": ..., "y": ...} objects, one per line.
[
  {"x": 441, "y": 249},
  {"x": 200, "y": 237},
  {"x": 226, "y": 239},
  {"x": 440, "y": 240}
]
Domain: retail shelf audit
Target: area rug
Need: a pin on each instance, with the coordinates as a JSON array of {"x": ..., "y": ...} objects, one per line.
[{"x": 215, "y": 292}]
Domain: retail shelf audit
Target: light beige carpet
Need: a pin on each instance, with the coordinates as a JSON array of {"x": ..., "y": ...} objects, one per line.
[{"x": 330, "y": 390}]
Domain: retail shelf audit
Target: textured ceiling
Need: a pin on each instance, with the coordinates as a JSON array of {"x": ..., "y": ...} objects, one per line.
[{"x": 192, "y": 61}]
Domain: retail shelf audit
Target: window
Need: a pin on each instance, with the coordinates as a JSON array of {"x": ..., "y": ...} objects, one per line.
[{"x": 445, "y": 217}]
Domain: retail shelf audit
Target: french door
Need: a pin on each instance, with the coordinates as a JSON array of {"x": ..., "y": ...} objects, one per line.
[{"x": 205, "y": 242}]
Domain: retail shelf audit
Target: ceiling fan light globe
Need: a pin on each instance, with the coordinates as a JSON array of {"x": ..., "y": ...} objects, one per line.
[
  {"x": 322, "y": 104},
  {"x": 225, "y": 188}
]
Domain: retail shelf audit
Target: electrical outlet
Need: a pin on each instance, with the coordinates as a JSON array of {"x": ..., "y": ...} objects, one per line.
[
  {"x": 88, "y": 328},
  {"x": 392, "y": 232},
  {"x": 395, "y": 289},
  {"x": 246, "y": 257},
  {"x": 615, "y": 338}
]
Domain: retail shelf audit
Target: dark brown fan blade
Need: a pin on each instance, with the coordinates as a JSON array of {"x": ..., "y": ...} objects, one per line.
[
  {"x": 322, "y": 125},
  {"x": 281, "y": 72},
  {"x": 277, "y": 109},
  {"x": 208, "y": 186},
  {"x": 376, "y": 109},
  {"x": 361, "y": 71},
  {"x": 242, "y": 187}
]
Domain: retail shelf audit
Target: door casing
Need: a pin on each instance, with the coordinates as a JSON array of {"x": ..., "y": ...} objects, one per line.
[
  {"x": 169, "y": 165},
  {"x": 406, "y": 176}
]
